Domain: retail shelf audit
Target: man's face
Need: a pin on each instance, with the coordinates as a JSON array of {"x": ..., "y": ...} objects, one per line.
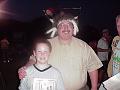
[
  {"x": 42, "y": 53},
  {"x": 118, "y": 26},
  {"x": 106, "y": 34},
  {"x": 65, "y": 30}
]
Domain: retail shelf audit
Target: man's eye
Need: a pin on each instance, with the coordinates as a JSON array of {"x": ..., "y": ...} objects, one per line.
[{"x": 39, "y": 51}]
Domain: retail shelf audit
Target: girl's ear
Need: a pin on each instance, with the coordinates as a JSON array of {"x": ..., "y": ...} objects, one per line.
[{"x": 34, "y": 53}]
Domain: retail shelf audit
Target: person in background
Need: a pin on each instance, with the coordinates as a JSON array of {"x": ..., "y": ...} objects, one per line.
[
  {"x": 71, "y": 56},
  {"x": 103, "y": 52},
  {"x": 49, "y": 13},
  {"x": 44, "y": 22},
  {"x": 114, "y": 64},
  {"x": 5, "y": 50},
  {"x": 41, "y": 75},
  {"x": 4, "y": 43}
]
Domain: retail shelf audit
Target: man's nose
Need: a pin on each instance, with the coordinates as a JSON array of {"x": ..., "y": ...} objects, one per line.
[
  {"x": 65, "y": 27},
  {"x": 42, "y": 53}
]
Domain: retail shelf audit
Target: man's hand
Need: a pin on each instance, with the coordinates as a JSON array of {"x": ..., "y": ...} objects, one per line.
[
  {"x": 22, "y": 72},
  {"x": 94, "y": 79},
  {"x": 93, "y": 88}
]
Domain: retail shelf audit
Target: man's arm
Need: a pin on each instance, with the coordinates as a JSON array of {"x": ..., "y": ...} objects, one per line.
[
  {"x": 94, "y": 79},
  {"x": 103, "y": 50},
  {"x": 21, "y": 71},
  {"x": 29, "y": 63},
  {"x": 93, "y": 65}
]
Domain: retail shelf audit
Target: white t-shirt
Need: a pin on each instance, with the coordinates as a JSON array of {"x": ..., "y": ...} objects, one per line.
[
  {"x": 47, "y": 79},
  {"x": 102, "y": 43}
]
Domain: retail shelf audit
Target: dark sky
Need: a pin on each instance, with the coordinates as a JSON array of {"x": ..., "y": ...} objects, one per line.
[{"x": 100, "y": 13}]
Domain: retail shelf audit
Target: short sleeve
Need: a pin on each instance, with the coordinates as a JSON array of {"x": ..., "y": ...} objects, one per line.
[
  {"x": 100, "y": 43},
  {"x": 23, "y": 84},
  {"x": 115, "y": 42},
  {"x": 94, "y": 62},
  {"x": 60, "y": 84}
]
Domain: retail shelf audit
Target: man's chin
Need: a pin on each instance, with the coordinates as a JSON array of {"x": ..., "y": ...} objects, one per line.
[
  {"x": 67, "y": 38},
  {"x": 42, "y": 61}
]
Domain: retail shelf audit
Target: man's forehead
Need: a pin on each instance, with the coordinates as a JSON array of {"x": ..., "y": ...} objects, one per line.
[{"x": 65, "y": 22}]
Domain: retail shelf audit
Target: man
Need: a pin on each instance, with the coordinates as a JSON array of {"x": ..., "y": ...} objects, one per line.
[
  {"x": 114, "y": 64},
  {"x": 72, "y": 57},
  {"x": 103, "y": 51}
]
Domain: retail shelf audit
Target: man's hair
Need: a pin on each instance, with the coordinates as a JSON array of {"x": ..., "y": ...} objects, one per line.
[
  {"x": 117, "y": 18},
  {"x": 105, "y": 30},
  {"x": 41, "y": 40},
  {"x": 70, "y": 18},
  {"x": 66, "y": 16}
]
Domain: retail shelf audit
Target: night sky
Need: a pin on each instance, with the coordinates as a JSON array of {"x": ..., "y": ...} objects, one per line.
[{"x": 99, "y": 13}]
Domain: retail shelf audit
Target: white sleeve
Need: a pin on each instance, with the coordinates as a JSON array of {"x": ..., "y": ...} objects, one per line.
[
  {"x": 24, "y": 84},
  {"x": 60, "y": 84},
  {"x": 100, "y": 44}
]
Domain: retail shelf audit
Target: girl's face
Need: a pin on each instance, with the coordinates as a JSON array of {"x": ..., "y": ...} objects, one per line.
[{"x": 42, "y": 53}]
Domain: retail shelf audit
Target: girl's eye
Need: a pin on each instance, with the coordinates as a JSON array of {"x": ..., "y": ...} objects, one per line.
[{"x": 39, "y": 51}]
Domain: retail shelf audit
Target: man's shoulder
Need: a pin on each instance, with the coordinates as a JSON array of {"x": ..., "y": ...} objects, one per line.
[
  {"x": 101, "y": 39},
  {"x": 80, "y": 42},
  {"x": 53, "y": 40},
  {"x": 74, "y": 40}
]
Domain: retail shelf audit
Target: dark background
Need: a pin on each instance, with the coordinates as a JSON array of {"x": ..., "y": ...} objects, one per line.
[
  {"x": 20, "y": 21},
  {"x": 93, "y": 14}
]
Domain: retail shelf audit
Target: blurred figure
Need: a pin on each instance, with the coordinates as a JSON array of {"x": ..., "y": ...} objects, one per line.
[
  {"x": 49, "y": 13},
  {"x": 103, "y": 52},
  {"x": 44, "y": 22},
  {"x": 7, "y": 61},
  {"x": 114, "y": 64},
  {"x": 4, "y": 50},
  {"x": 4, "y": 43}
]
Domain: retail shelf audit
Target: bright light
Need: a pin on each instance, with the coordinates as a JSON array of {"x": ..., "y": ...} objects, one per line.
[{"x": 3, "y": 9}]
